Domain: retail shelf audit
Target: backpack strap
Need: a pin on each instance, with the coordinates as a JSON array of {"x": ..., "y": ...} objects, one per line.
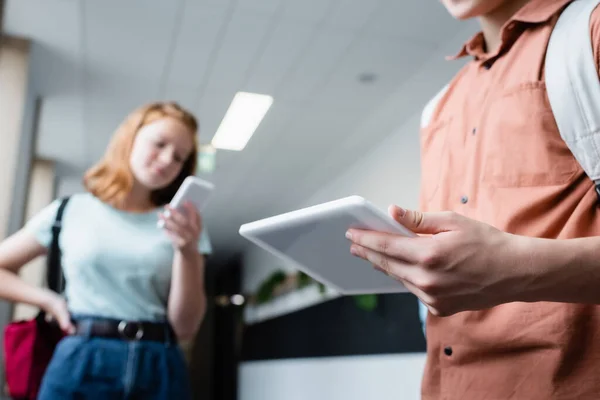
[
  {"x": 573, "y": 85},
  {"x": 54, "y": 276},
  {"x": 431, "y": 106}
]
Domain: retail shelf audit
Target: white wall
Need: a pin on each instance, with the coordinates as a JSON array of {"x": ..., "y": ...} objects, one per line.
[
  {"x": 16, "y": 133},
  {"x": 388, "y": 173},
  {"x": 68, "y": 186},
  {"x": 384, "y": 377}
]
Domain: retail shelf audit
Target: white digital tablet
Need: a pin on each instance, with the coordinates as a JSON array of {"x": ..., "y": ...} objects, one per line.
[{"x": 313, "y": 240}]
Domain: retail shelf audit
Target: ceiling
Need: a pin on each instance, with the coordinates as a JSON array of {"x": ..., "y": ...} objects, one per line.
[{"x": 94, "y": 61}]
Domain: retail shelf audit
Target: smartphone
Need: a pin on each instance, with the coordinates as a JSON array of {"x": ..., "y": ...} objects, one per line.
[{"x": 193, "y": 189}]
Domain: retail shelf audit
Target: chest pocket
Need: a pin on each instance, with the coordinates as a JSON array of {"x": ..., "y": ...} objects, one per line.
[{"x": 521, "y": 145}]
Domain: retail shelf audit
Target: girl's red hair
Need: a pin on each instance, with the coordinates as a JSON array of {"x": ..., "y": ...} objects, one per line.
[{"x": 111, "y": 178}]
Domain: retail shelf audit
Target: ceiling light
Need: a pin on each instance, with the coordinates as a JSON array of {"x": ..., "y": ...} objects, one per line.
[{"x": 241, "y": 120}]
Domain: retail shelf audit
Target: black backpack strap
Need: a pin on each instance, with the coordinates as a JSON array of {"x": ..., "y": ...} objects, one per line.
[{"x": 54, "y": 276}]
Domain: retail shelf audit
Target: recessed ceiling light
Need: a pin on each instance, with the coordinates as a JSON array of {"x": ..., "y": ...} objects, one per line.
[
  {"x": 367, "y": 77},
  {"x": 242, "y": 118}
]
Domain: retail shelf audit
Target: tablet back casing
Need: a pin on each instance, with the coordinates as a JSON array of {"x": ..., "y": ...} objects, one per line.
[{"x": 313, "y": 240}]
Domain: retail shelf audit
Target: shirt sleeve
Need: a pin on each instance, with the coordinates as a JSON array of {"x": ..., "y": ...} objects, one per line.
[
  {"x": 40, "y": 225},
  {"x": 204, "y": 245}
]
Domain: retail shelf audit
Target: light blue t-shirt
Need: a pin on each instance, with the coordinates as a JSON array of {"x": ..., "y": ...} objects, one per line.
[{"x": 117, "y": 264}]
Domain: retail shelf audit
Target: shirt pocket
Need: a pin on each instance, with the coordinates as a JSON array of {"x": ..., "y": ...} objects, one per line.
[
  {"x": 433, "y": 156},
  {"x": 521, "y": 145}
]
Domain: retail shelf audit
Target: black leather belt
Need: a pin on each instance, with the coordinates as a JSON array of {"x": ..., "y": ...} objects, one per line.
[{"x": 125, "y": 330}]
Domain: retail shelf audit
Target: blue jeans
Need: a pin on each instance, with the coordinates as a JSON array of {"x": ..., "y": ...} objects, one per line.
[{"x": 99, "y": 368}]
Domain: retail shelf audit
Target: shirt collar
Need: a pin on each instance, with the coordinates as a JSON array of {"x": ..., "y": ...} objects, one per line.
[{"x": 534, "y": 12}]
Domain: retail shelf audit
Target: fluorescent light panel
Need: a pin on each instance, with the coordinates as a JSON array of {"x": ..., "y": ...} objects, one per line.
[{"x": 241, "y": 120}]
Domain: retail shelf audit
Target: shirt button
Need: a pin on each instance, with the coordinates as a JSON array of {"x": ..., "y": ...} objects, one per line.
[
  {"x": 448, "y": 351},
  {"x": 474, "y": 131},
  {"x": 464, "y": 199}
]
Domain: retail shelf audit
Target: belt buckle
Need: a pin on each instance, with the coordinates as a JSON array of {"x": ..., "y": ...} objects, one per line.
[{"x": 124, "y": 330}]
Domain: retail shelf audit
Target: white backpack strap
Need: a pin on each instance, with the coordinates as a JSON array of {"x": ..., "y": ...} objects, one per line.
[
  {"x": 573, "y": 85},
  {"x": 431, "y": 106}
]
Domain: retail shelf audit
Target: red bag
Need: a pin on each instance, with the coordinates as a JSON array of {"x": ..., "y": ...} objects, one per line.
[
  {"x": 29, "y": 345},
  {"x": 28, "y": 348}
]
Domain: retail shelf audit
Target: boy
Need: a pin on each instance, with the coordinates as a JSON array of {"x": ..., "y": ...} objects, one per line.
[{"x": 508, "y": 263}]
